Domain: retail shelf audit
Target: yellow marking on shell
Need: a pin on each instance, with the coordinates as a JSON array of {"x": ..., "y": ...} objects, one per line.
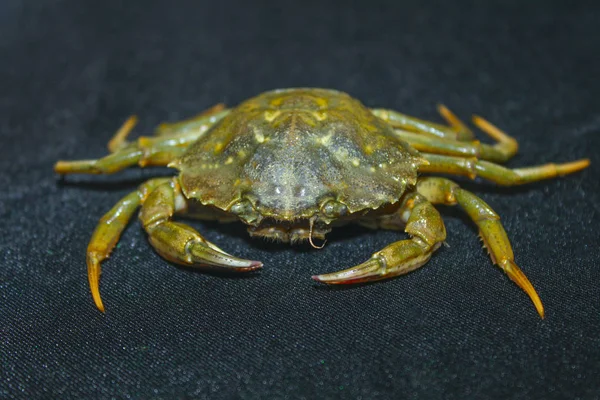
[
  {"x": 322, "y": 102},
  {"x": 320, "y": 115},
  {"x": 241, "y": 153},
  {"x": 305, "y": 118},
  {"x": 258, "y": 135},
  {"x": 271, "y": 115},
  {"x": 229, "y": 160},
  {"x": 218, "y": 147},
  {"x": 325, "y": 140},
  {"x": 276, "y": 102},
  {"x": 369, "y": 149},
  {"x": 355, "y": 162},
  {"x": 372, "y": 169}
]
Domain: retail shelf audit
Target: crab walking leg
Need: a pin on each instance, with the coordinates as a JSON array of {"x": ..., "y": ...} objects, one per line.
[
  {"x": 145, "y": 151},
  {"x": 180, "y": 243},
  {"x": 198, "y": 123},
  {"x": 426, "y": 228},
  {"x": 108, "y": 231},
  {"x": 455, "y": 122},
  {"x": 120, "y": 138},
  {"x": 472, "y": 167},
  {"x": 456, "y": 131},
  {"x": 444, "y": 191},
  {"x": 141, "y": 154},
  {"x": 502, "y": 151}
]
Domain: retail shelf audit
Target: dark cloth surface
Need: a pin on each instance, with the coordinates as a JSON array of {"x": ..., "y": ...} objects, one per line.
[{"x": 72, "y": 71}]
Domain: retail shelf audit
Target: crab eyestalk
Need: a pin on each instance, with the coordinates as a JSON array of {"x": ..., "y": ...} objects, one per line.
[{"x": 333, "y": 209}]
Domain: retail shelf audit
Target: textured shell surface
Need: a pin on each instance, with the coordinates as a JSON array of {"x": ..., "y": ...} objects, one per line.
[{"x": 289, "y": 151}]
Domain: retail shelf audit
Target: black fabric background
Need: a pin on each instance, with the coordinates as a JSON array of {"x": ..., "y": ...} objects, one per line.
[{"x": 72, "y": 71}]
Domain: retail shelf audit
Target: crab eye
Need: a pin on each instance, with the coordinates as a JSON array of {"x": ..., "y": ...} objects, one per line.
[{"x": 333, "y": 209}]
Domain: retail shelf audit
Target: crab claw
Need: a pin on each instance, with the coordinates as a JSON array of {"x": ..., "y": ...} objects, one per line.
[
  {"x": 396, "y": 259},
  {"x": 206, "y": 254},
  {"x": 370, "y": 270}
]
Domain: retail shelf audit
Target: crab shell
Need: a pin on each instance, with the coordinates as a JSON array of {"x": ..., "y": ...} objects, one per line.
[{"x": 289, "y": 157}]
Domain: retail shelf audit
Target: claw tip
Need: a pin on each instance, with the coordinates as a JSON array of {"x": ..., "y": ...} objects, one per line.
[{"x": 540, "y": 308}]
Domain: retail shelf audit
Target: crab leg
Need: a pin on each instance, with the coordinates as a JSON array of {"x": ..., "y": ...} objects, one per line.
[
  {"x": 145, "y": 151},
  {"x": 108, "y": 231},
  {"x": 491, "y": 231},
  {"x": 456, "y": 131},
  {"x": 141, "y": 153},
  {"x": 502, "y": 151},
  {"x": 120, "y": 138},
  {"x": 426, "y": 228},
  {"x": 200, "y": 122},
  {"x": 472, "y": 167}
]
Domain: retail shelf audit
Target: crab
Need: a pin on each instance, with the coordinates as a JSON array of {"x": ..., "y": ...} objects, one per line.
[{"x": 294, "y": 163}]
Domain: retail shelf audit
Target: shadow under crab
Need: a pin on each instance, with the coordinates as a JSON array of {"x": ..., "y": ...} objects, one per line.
[{"x": 292, "y": 164}]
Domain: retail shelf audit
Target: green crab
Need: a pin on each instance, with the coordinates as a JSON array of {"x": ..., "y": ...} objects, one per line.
[{"x": 294, "y": 163}]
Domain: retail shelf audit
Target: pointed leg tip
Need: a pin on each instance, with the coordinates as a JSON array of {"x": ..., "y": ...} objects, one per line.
[
  {"x": 100, "y": 307},
  {"x": 449, "y": 115},
  {"x": 481, "y": 122},
  {"x": 542, "y": 313},
  {"x": 93, "y": 264},
  {"x": 537, "y": 304},
  {"x": 577, "y": 165},
  {"x": 97, "y": 300},
  {"x": 60, "y": 166},
  {"x": 517, "y": 276}
]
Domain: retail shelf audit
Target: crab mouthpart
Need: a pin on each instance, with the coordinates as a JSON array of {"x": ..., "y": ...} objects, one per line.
[{"x": 291, "y": 231}]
